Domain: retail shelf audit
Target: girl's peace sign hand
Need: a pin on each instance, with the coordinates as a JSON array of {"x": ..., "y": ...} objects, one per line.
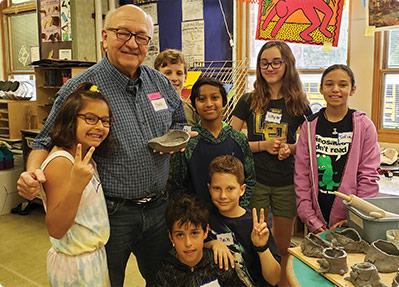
[
  {"x": 82, "y": 171},
  {"x": 260, "y": 232}
]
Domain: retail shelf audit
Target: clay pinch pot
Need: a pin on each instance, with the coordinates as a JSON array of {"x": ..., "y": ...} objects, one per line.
[
  {"x": 349, "y": 239},
  {"x": 172, "y": 141},
  {"x": 384, "y": 255},
  {"x": 395, "y": 282},
  {"x": 365, "y": 274},
  {"x": 333, "y": 261},
  {"x": 312, "y": 245}
]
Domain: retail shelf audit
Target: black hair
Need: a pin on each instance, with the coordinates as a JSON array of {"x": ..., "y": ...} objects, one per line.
[
  {"x": 340, "y": 67},
  {"x": 195, "y": 93},
  {"x": 187, "y": 209}
]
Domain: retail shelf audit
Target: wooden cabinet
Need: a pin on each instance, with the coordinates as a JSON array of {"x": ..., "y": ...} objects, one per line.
[
  {"x": 48, "y": 81},
  {"x": 16, "y": 116}
]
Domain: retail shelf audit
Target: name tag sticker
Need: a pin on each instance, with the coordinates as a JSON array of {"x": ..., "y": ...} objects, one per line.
[
  {"x": 213, "y": 283},
  {"x": 344, "y": 138},
  {"x": 273, "y": 117},
  {"x": 154, "y": 96},
  {"x": 226, "y": 238},
  {"x": 159, "y": 105}
]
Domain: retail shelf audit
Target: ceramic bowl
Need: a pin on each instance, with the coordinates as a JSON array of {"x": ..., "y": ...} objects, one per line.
[{"x": 173, "y": 141}]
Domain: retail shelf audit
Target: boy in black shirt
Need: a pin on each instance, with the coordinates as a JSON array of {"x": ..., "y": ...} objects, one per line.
[
  {"x": 190, "y": 264},
  {"x": 246, "y": 236}
]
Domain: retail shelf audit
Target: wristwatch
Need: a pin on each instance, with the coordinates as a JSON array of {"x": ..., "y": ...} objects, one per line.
[{"x": 263, "y": 248}]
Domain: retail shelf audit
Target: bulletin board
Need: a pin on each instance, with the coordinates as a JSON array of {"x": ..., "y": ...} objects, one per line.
[
  {"x": 55, "y": 36},
  {"x": 217, "y": 41}
]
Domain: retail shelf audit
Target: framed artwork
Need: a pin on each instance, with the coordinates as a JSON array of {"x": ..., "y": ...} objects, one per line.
[
  {"x": 382, "y": 14},
  {"x": 312, "y": 22}
]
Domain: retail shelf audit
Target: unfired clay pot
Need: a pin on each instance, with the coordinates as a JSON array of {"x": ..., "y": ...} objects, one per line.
[
  {"x": 365, "y": 274},
  {"x": 395, "y": 282},
  {"x": 172, "y": 141},
  {"x": 333, "y": 261},
  {"x": 384, "y": 255},
  {"x": 349, "y": 239},
  {"x": 312, "y": 245}
]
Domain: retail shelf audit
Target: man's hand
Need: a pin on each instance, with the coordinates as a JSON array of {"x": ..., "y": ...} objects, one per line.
[
  {"x": 260, "y": 232},
  {"x": 28, "y": 184}
]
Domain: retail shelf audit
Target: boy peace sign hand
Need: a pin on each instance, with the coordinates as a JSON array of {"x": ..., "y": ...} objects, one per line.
[
  {"x": 260, "y": 232},
  {"x": 82, "y": 171}
]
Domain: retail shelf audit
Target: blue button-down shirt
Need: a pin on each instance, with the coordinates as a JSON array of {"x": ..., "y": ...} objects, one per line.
[{"x": 134, "y": 171}]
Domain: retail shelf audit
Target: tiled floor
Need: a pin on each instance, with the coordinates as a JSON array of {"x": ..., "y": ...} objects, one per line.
[{"x": 24, "y": 243}]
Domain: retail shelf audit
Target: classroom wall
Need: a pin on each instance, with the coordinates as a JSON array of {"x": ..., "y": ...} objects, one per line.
[{"x": 361, "y": 57}]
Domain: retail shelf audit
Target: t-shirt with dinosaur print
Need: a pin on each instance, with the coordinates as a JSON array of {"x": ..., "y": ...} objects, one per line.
[{"x": 333, "y": 142}]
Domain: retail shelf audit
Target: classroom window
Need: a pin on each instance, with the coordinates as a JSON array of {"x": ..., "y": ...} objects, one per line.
[
  {"x": 310, "y": 59},
  {"x": 386, "y": 86}
]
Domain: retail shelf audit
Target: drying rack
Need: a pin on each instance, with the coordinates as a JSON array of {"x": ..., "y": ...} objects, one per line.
[{"x": 232, "y": 74}]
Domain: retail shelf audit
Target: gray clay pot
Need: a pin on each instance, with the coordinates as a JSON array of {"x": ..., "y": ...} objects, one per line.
[
  {"x": 395, "y": 282},
  {"x": 173, "y": 141},
  {"x": 349, "y": 239},
  {"x": 333, "y": 261},
  {"x": 365, "y": 274},
  {"x": 312, "y": 245},
  {"x": 384, "y": 255}
]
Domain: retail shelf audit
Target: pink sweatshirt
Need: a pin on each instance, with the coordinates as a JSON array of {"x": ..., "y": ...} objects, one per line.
[{"x": 359, "y": 178}]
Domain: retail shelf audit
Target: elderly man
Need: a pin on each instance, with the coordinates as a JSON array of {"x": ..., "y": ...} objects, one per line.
[{"x": 145, "y": 105}]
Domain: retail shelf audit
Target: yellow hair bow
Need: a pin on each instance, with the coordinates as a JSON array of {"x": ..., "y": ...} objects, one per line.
[{"x": 94, "y": 89}]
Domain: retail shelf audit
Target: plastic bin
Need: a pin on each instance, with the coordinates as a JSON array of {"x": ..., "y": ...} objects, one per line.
[{"x": 370, "y": 228}]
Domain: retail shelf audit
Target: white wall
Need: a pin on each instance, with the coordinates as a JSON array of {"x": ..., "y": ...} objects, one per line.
[{"x": 361, "y": 59}]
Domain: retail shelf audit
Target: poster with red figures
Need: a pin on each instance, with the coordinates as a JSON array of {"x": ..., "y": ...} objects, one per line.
[{"x": 312, "y": 22}]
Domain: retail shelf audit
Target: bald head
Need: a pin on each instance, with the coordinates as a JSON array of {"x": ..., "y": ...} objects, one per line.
[
  {"x": 122, "y": 27},
  {"x": 129, "y": 8}
]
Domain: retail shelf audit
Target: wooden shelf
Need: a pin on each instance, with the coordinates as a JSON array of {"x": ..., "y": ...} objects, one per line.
[
  {"x": 48, "y": 81},
  {"x": 16, "y": 115}
]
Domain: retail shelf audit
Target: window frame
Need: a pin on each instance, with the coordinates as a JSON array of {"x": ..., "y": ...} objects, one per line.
[
  {"x": 380, "y": 69},
  {"x": 243, "y": 33},
  {"x": 5, "y": 30}
]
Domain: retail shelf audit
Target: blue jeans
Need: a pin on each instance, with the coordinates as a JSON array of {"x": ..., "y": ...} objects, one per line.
[{"x": 140, "y": 229}]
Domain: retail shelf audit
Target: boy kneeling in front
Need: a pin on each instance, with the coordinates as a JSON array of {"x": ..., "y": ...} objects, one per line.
[{"x": 189, "y": 264}]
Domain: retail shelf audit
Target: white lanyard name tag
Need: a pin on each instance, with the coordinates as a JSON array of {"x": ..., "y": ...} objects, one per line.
[
  {"x": 226, "y": 238},
  {"x": 273, "y": 117},
  {"x": 213, "y": 283},
  {"x": 157, "y": 101},
  {"x": 345, "y": 138}
]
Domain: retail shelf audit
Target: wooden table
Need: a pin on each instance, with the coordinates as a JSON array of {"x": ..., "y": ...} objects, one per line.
[{"x": 301, "y": 270}]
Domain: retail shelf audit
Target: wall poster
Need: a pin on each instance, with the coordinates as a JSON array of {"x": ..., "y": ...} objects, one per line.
[
  {"x": 312, "y": 22},
  {"x": 193, "y": 41}
]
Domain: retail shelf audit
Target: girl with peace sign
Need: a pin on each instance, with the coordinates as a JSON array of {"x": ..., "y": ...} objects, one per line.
[{"x": 76, "y": 213}]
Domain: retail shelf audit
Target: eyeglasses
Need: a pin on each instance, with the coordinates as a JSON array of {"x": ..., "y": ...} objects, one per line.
[
  {"x": 124, "y": 35},
  {"x": 264, "y": 64},
  {"x": 92, "y": 119}
]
